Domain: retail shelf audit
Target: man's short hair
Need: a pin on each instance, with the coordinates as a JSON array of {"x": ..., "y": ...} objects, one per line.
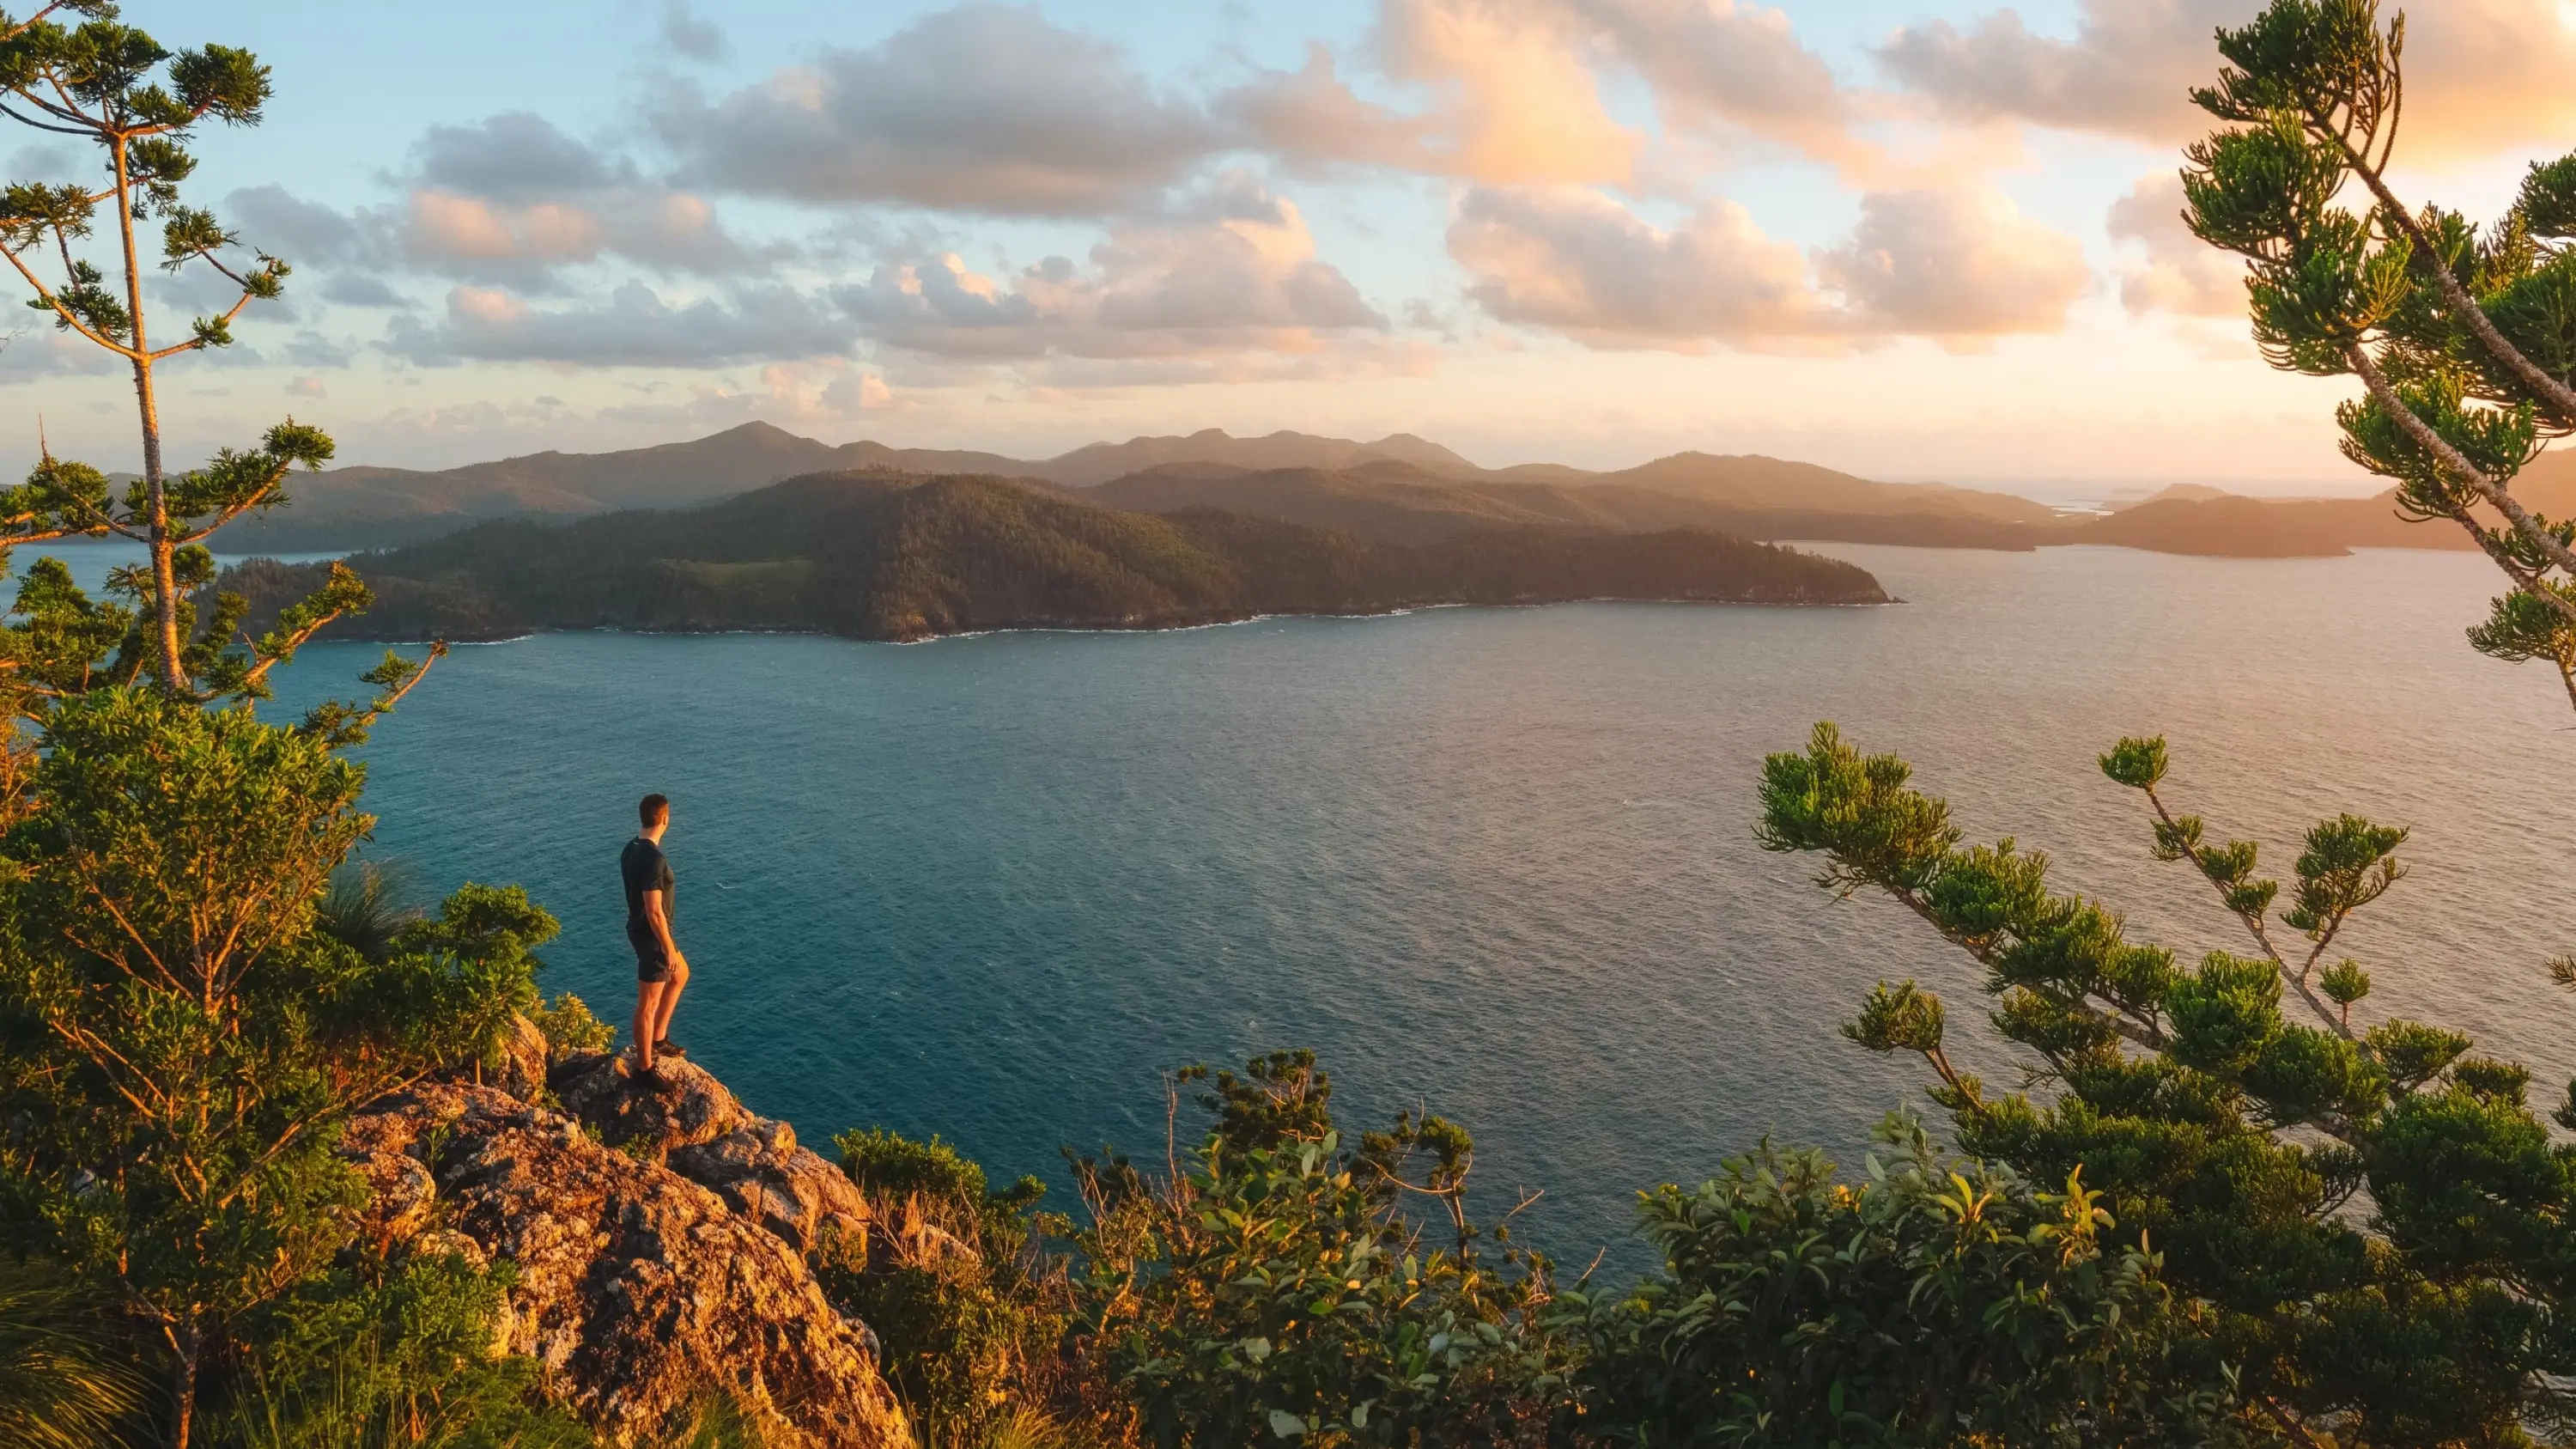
[{"x": 655, "y": 809}]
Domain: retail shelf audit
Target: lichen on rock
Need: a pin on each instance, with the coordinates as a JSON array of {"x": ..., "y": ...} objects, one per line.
[
  {"x": 641, "y": 1287},
  {"x": 698, "y": 1129}
]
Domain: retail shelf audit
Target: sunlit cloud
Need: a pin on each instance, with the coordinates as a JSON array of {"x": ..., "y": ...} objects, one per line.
[
  {"x": 1954, "y": 266},
  {"x": 2482, "y": 75},
  {"x": 2177, "y": 272},
  {"x": 982, "y": 108},
  {"x": 1228, "y": 282}
]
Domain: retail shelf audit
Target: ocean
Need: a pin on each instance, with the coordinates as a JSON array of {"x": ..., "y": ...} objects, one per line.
[{"x": 1495, "y": 863}]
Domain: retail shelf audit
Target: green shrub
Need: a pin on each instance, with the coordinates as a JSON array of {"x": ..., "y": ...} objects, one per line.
[
  {"x": 970, "y": 1315},
  {"x": 568, "y": 1026},
  {"x": 1278, "y": 1289},
  {"x": 1937, "y": 1302},
  {"x": 377, "y": 1356}
]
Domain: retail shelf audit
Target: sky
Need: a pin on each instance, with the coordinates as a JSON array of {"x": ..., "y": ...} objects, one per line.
[{"x": 1913, "y": 239}]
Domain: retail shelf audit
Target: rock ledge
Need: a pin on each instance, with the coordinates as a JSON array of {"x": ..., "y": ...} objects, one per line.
[{"x": 659, "y": 1241}]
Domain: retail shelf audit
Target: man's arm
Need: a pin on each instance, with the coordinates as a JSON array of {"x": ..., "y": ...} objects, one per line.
[{"x": 661, "y": 920}]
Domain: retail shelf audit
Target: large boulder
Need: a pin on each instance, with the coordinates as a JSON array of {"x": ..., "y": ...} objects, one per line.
[
  {"x": 639, "y": 1290},
  {"x": 697, "y": 1128}
]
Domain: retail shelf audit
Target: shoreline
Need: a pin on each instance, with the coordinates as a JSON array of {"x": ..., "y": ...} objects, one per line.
[{"x": 521, "y": 636}]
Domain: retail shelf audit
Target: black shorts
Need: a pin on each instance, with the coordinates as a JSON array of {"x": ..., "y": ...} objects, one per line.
[{"x": 652, "y": 963}]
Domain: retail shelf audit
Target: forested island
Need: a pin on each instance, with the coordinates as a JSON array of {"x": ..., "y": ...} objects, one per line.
[{"x": 877, "y": 554}]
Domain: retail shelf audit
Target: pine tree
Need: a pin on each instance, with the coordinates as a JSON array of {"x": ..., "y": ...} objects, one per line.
[
  {"x": 2371, "y": 1219},
  {"x": 2463, "y": 337},
  {"x": 142, "y": 105}
]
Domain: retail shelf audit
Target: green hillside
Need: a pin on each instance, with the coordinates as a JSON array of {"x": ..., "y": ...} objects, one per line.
[{"x": 883, "y": 555}]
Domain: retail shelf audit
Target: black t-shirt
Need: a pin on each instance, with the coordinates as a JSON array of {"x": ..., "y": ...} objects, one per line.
[{"x": 645, "y": 868}]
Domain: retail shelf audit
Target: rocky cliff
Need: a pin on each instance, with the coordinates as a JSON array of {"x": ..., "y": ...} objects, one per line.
[{"x": 662, "y": 1241}]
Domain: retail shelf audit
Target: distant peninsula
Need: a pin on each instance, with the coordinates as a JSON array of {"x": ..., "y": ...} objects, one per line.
[
  {"x": 880, "y": 554},
  {"x": 1399, "y": 489}
]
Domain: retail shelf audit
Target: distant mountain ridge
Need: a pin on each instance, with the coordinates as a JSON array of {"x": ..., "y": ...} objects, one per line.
[
  {"x": 1388, "y": 502},
  {"x": 1396, "y": 488},
  {"x": 376, "y": 507}
]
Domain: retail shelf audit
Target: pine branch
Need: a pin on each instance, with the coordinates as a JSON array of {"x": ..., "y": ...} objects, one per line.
[
  {"x": 2560, "y": 397},
  {"x": 2458, "y": 465},
  {"x": 50, "y": 300}
]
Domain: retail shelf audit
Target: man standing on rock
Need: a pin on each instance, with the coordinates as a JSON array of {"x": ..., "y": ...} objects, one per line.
[{"x": 660, "y": 969}]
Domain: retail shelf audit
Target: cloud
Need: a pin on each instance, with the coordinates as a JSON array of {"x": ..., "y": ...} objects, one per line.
[
  {"x": 2482, "y": 75},
  {"x": 359, "y": 289},
  {"x": 1955, "y": 266},
  {"x": 634, "y": 327},
  {"x": 1513, "y": 99},
  {"x": 1578, "y": 263},
  {"x": 1515, "y": 90},
  {"x": 451, "y": 235},
  {"x": 512, "y": 198},
  {"x": 1725, "y": 63},
  {"x": 1231, "y": 270},
  {"x": 982, "y": 108},
  {"x": 41, "y": 351},
  {"x": 2179, "y": 273},
  {"x": 515, "y": 156},
  {"x": 305, "y": 232},
  {"x": 1311, "y": 115},
  {"x": 683, "y": 31},
  {"x": 1517, "y": 101},
  {"x": 820, "y": 391},
  {"x": 307, "y": 387}
]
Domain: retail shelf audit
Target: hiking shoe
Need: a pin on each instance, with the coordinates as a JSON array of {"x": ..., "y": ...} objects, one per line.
[{"x": 669, "y": 1048}]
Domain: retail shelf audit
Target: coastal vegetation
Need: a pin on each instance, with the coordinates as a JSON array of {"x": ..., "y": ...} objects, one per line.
[{"x": 897, "y": 556}]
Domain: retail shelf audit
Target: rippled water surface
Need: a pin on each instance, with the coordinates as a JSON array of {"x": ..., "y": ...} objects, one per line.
[{"x": 1498, "y": 862}]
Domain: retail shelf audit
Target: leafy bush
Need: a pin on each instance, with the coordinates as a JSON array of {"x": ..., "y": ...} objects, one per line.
[
  {"x": 568, "y": 1026},
  {"x": 970, "y": 1314},
  {"x": 379, "y": 1356},
  {"x": 166, "y": 1006},
  {"x": 1936, "y": 1303},
  {"x": 1278, "y": 1290}
]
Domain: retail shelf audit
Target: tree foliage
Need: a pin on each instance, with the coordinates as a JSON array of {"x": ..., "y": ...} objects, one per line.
[
  {"x": 2370, "y": 1223},
  {"x": 142, "y": 106},
  {"x": 178, "y": 1040},
  {"x": 2462, "y": 335},
  {"x": 1280, "y": 1288},
  {"x": 1938, "y": 1302}
]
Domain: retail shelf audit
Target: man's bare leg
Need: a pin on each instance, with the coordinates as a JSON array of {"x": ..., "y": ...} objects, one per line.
[
  {"x": 650, "y": 1014},
  {"x": 670, "y": 1003}
]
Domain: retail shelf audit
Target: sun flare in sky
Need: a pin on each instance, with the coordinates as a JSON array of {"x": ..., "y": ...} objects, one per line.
[{"x": 1915, "y": 239}]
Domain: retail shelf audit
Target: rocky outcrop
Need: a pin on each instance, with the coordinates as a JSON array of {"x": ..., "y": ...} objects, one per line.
[
  {"x": 695, "y": 1127},
  {"x": 658, "y": 1241}
]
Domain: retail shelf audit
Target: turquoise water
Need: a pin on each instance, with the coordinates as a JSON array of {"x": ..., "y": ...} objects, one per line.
[{"x": 1495, "y": 862}]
